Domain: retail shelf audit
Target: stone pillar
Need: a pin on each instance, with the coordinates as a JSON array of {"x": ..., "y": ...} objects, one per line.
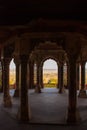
[
  {"x": 58, "y": 76},
  {"x": 17, "y": 63},
  {"x": 23, "y": 113},
  {"x": 38, "y": 87},
  {"x": 41, "y": 77},
  {"x": 73, "y": 113},
  {"x": 82, "y": 92},
  {"x": 6, "y": 95},
  {"x": 60, "y": 82},
  {"x": 68, "y": 77},
  {"x": 1, "y": 90},
  {"x": 77, "y": 75},
  {"x": 31, "y": 74}
]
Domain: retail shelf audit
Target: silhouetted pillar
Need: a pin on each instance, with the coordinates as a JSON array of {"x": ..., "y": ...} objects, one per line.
[
  {"x": 77, "y": 75},
  {"x": 31, "y": 74},
  {"x": 41, "y": 77},
  {"x": 57, "y": 75},
  {"x": 2, "y": 71},
  {"x": 82, "y": 92},
  {"x": 61, "y": 87},
  {"x": 17, "y": 63},
  {"x": 73, "y": 113},
  {"x": 38, "y": 88},
  {"x": 6, "y": 95},
  {"x": 24, "y": 108},
  {"x": 68, "y": 77}
]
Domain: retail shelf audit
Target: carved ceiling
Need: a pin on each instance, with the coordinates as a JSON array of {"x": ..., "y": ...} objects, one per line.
[
  {"x": 20, "y": 16},
  {"x": 42, "y": 26},
  {"x": 42, "y": 21}
]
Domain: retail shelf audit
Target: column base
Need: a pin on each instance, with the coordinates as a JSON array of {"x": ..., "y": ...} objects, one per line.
[
  {"x": 37, "y": 89},
  {"x": 73, "y": 116},
  {"x": 24, "y": 116},
  {"x": 16, "y": 93},
  {"x": 61, "y": 90},
  {"x": 1, "y": 90},
  {"x": 82, "y": 94},
  {"x": 7, "y": 101}
]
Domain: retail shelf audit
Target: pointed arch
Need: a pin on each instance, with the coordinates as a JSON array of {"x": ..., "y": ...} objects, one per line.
[
  {"x": 12, "y": 74},
  {"x": 50, "y": 73}
]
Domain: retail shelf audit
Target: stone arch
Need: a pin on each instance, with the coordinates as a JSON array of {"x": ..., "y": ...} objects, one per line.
[
  {"x": 41, "y": 66},
  {"x": 49, "y": 57}
]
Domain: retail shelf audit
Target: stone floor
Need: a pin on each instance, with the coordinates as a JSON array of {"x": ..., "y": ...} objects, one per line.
[{"x": 49, "y": 110}]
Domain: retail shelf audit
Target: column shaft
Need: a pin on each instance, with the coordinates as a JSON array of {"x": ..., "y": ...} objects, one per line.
[
  {"x": 23, "y": 110},
  {"x": 38, "y": 88},
  {"x": 41, "y": 77},
  {"x": 2, "y": 71},
  {"x": 7, "y": 98},
  {"x": 16, "y": 93},
  {"x": 77, "y": 75},
  {"x": 82, "y": 75},
  {"x": 82, "y": 92},
  {"x": 68, "y": 77},
  {"x": 60, "y": 73},
  {"x": 31, "y": 75},
  {"x": 73, "y": 114}
]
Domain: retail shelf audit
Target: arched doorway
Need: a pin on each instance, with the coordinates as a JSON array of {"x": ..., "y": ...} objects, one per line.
[
  {"x": 12, "y": 74},
  {"x": 50, "y": 73}
]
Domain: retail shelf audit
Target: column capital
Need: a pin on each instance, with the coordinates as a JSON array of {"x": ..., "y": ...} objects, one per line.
[
  {"x": 24, "y": 58},
  {"x": 17, "y": 60},
  {"x": 83, "y": 62},
  {"x": 61, "y": 63},
  {"x": 7, "y": 60}
]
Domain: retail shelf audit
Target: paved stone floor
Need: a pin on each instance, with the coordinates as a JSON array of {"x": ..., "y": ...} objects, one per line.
[{"x": 48, "y": 109}]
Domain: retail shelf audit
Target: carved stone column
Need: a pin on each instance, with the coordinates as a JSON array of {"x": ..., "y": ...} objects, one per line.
[
  {"x": 23, "y": 114},
  {"x": 60, "y": 73},
  {"x": 68, "y": 77},
  {"x": 2, "y": 71},
  {"x": 77, "y": 75},
  {"x": 41, "y": 76},
  {"x": 17, "y": 63},
  {"x": 82, "y": 92},
  {"x": 73, "y": 113},
  {"x": 38, "y": 87},
  {"x": 31, "y": 74},
  {"x": 6, "y": 96},
  {"x": 72, "y": 47}
]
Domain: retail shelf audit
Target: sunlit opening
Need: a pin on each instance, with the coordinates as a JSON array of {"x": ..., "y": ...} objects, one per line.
[
  {"x": 50, "y": 73},
  {"x": 12, "y": 74}
]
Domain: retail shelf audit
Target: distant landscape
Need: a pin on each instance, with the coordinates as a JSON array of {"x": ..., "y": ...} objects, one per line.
[
  {"x": 12, "y": 78},
  {"x": 50, "y": 78}
]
